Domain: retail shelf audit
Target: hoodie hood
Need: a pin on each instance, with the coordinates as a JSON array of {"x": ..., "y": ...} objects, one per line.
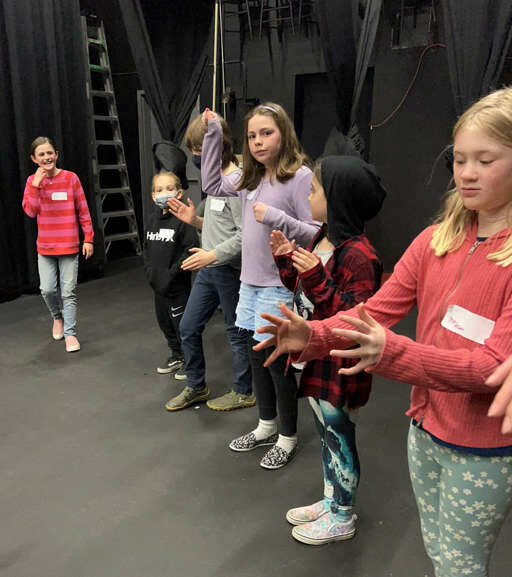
[{"x": 354, "y": 195}]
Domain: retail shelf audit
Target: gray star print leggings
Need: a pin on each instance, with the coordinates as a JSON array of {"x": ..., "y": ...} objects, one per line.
[{"x": 462, "y": 500}]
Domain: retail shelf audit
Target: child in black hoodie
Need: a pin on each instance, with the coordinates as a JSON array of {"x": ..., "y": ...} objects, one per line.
[
  {"x": 167, "y": 244},
  {"x": 339, "y": 270}
]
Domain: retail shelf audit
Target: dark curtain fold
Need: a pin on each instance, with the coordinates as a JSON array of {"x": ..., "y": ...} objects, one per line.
[
  {"x": 477, "y": 37},
  {"x": 366, "y": 41},
  {"x": 337, "y": 30},
  {"x": 348, "y": 29},
  {"x": 43, "y": 93},
  {"x": 169, "y": 46},
  {"x": 142, "y": 52}
]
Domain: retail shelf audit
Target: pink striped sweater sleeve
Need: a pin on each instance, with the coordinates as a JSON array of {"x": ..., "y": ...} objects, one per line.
[
  {"x": 31, "y": 202},
  {"x": 82, "y": 210}
]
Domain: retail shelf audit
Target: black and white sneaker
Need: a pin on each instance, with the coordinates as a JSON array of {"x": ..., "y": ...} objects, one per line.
[
  {"x": 277, "y": 457},
  {"x": 170, "y": 366},
  {"x": 180, "y": 373}
]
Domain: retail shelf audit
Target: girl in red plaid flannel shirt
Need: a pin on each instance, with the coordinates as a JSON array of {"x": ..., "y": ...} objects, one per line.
[{"x": 339, "y": 270}]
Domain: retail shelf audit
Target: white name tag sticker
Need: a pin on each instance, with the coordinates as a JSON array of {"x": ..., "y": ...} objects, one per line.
[
  {"x": 467, "y": 324},
  {"x": 59, "y": 195},
  {"x": 166, "y": 234},
  {"x": 217, "y": 204}
]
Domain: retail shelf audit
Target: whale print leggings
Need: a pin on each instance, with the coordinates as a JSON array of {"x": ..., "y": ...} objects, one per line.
[{"x": 339, "y": 457}]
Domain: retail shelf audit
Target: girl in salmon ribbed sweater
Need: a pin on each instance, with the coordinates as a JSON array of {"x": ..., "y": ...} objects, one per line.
[
  {"x": 458, "y": 274},
  {"x": 55, "y": 197}
]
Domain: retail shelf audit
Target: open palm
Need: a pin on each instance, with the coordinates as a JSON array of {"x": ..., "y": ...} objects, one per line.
[
  {"x": 185, "y": 212},
  {"x": 280, "y": 244}
]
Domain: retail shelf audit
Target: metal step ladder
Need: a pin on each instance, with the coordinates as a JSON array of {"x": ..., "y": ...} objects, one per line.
[{"x": 114, "y": 203}]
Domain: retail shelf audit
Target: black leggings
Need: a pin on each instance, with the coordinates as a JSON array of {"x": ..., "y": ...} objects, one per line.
[{"x": 274, "y": 389}]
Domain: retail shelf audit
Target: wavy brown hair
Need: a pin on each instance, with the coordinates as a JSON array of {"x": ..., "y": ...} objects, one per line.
[
  {"x": 291, "y": 155},
  {"x": 196, "y": 131}
]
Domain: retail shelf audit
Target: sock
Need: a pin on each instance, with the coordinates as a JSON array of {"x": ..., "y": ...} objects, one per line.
[
  {"x": 343, "y": 514},
  {"x": 265, "y": 429},
  {"x": 287, "y": 443}
]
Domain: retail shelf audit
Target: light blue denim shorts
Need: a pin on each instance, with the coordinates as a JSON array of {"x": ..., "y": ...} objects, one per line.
[{"x": 255, "y": 300}]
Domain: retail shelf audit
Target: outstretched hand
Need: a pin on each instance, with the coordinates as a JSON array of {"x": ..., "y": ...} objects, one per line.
[
  {"x": 199, "y": 259},
  {"x": 502, "y": 404},
  {"x": 368, "y": 334},
  {"x": 279, "y": 244},
  {"x": 181, "y": 210},
  {"x": 290, "y": 334}
]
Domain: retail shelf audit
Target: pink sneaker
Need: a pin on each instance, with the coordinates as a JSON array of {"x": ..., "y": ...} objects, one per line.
[
  {"x": 58, "y": 329},
  {"x": 72, "y": 344},
  {"x": 326, "y": 529},
  {"x": 301, "y": 515}
]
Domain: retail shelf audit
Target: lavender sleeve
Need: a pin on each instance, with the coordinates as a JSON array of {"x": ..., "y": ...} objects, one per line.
[
  {"x": 212, "y": 181},
  {"x": 300, "y": 227}
]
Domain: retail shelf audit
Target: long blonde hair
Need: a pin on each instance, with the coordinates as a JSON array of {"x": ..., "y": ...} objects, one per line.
[
  {"x": 291, "y": 156},
  {"x": 493, "y": 115}
]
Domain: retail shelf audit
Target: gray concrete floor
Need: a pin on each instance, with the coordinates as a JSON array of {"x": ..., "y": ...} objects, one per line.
[{"x": 98, "y": 480}]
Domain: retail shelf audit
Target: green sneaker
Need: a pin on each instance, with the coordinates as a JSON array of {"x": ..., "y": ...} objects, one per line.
[
  {"x": 231, "y": 400},
  {"x": 188, "y": 396}
]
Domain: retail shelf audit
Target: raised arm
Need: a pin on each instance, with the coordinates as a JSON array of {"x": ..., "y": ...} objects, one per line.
[{"x": 212, "y": 180}]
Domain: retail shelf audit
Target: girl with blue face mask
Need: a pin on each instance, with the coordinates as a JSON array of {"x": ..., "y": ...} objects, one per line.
[
  {"x": 165, "y": 186},
  {"x": 167, "y": 244}
]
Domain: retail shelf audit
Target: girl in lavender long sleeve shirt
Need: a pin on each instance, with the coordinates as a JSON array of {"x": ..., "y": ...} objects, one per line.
[{"x": 273, "y": 188}]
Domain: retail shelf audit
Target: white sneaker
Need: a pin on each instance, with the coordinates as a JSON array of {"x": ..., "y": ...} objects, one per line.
[
  {"x": 301, "y": 515},
  {"x": 72, "y": 345},
  {"x": 326, "y": 529}
]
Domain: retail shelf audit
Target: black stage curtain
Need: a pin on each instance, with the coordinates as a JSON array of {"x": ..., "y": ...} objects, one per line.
[
  {"x": 169, "y": 47},
  {"x": 477, "y": 36},
  {"x": 366, "y": 40},
  {"x": 339, "y": 48},
  {"x": 348, "y": 29},
  {"x": 42, "y": 76}
]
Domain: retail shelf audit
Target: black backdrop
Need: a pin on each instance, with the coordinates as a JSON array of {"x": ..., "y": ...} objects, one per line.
[
  {"x": 170, "y": 51},
  {"x": 477, "y": 36},
  {"x": 42, "y": 81}
]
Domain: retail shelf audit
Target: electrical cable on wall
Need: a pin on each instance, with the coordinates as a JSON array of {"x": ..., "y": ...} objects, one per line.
[{"x": 409, "y": 88}]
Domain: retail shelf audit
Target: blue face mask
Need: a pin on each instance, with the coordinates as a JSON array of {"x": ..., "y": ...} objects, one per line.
[
  {"x": 161, "y": 199},
  {"x": 196, "y": 159}
]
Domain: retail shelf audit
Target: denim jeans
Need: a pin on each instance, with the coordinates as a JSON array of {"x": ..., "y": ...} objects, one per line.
[
  {"x": 214, "y": 286},
  {"x": 255, "y": 300},
  {"x": 60, "y": 271}
]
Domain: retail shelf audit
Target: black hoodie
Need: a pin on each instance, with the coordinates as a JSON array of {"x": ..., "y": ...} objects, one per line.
[
  {"x": 354, "y": 195},
  {"x": 166, "y": 246}
]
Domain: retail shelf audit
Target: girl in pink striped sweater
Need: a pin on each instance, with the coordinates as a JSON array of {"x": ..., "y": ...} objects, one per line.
[
  {"x": 459, "y": 275},
  {"x": 55, "y": 197}
]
